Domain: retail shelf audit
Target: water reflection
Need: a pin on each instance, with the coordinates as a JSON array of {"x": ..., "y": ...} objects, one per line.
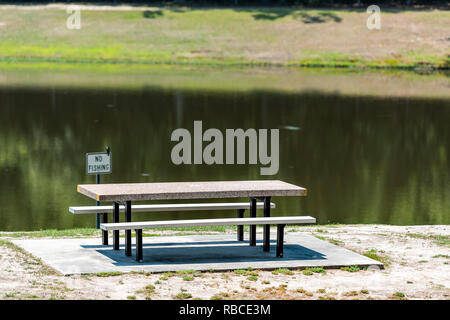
[{"x": 363, "y": 160}]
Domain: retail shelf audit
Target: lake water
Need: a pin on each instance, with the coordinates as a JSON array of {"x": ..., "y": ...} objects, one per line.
[{"x": 363, "y": 159}]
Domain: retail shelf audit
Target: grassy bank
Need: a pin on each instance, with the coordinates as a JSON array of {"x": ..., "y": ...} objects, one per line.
[
  {"x": 92, "y": 232},
  {"x": 225, "y": 37}
]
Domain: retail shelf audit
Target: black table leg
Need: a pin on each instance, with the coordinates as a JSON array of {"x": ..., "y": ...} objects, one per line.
[
  {"x": 253, "y": 227},
  {"x": 104, "y": 232},
  {"x": 128, "y": 232},
  {"x": 116, "y": 232},
  {"x": 240, "y": 229},
  {"x": 266, "y": 246},
  {"x": 280, "y": 240},
  {"x": 139, "y": 256}
]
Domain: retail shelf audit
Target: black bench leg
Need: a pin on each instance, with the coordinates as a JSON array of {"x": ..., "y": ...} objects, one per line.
[
  {"x": 116, "y": 232},
  {"x": 266, "y": 246},
  {"x": 240, "y": 229},
  {"x": 139, "y": 257},
  {"x": 104, "y": 232},
  {"x": 128, "y": 232},
  {"x": 280, "y": 239},
  {"x": 253, "y": 227}
]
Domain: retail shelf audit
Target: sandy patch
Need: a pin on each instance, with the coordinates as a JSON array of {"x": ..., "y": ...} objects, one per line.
[{"x": 417, "y": 267}]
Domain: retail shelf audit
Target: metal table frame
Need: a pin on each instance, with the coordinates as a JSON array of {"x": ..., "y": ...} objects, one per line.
[{"x": 240, "y": 229}]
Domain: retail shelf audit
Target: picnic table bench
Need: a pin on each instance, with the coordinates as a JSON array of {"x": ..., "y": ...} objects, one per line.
[
  {"x": 104, "y": 210},
  {"x": 279, "y": 221},
  {"x": 124, "y": 194}
]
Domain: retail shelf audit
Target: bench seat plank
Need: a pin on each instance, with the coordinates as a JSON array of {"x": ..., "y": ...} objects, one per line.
[
  {"x": 168, "y": 207},
  {"x": 206, "y": 222}
]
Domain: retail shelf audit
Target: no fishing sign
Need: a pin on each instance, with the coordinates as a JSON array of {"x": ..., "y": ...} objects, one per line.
[{"x": 98, "y": 163}]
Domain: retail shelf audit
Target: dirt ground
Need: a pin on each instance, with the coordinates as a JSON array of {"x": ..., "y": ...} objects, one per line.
[{"x": 416, "y": 267}]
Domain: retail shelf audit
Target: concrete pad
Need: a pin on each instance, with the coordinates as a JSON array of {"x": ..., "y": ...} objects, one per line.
[{"x": 202, "y": 252}]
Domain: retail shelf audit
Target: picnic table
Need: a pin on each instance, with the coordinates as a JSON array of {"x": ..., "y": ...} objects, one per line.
[{"x": 125, "y": 193}]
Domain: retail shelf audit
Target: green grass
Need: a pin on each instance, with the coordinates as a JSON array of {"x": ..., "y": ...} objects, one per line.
[
  {"x": 108, "y": 274},
  {"x": 148, "y": 291},
  {"x": 249, "y": 272},
  {"x": 282, "y": 271},
  {"x": 223, "y": 37},
  {"x": 186, "y": 271},
  {"x": 381, "y": 258},
  {"x": 54, "y": 233},
  {"x": 318, "y": 270},
  {"x": 311, "y": 271},
  {"x": 375, "y": 256},
  {"x": 442, "y": 256},
  {"x": 307, "y": 272},
  {"x": 350, "y": 269},
  {"x": 240, "y": 271},
  {"x": 330, "y": 240},
  {"x": 441, "y": 240},
  {"x": 168, "y": 274},
  {"x": 183, "y": 296},
  {"x": 91, "y": 232},
  {"x": 187, "y": 275},
  {"x": 11, "y": 295},
  {"x": 326, "y": 298},
  {"x": 112, "y": 56},
  {"x": 399, "y": 294},
  {"x": 6, "y": 243}
]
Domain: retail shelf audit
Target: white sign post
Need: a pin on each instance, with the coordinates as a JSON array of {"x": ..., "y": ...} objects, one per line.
[{"x": 99, "y": 163}]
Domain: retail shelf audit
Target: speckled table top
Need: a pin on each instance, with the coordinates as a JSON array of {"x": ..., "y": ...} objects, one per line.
[{"x": 189, "y": 190}]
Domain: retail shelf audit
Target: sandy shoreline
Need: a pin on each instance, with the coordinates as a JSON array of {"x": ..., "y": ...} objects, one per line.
[{"x": 416, "y": 267}]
